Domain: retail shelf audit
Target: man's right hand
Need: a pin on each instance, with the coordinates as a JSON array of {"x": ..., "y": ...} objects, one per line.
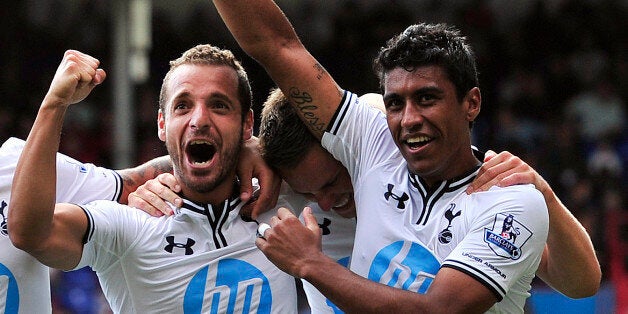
[
  {"x": 152, "y": 196},
  {"x": 76, "y": 76}
]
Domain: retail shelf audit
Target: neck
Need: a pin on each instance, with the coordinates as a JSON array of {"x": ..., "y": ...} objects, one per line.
[
  {"x": 453, "y": 169},
  {"x": 210, "y": 195}
]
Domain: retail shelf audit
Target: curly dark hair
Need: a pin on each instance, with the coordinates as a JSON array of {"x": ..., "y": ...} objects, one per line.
[{"x": 430, "y": 44}]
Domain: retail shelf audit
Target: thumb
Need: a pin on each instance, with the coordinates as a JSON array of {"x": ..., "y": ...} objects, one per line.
[
  {"x": 310, "y": 220},
  {"x": 246, "y": 189}
]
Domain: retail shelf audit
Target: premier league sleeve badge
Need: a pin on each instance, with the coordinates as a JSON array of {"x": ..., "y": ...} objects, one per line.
[{"x": 507, "y": 236}]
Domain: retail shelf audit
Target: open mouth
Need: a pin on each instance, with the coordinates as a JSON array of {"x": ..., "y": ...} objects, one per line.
[
  {"x": 200, "y": 152},
  {"x": 417, "y": 142},
  {"x": 343, "y": 202}
]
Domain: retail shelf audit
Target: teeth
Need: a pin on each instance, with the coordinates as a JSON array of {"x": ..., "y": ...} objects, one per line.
[
  {"x": 201, "y": 163},
  {"x": 342, "y": 202},
  {"x": 418, "y": 139},
  {"x": 199, "y": 142}
]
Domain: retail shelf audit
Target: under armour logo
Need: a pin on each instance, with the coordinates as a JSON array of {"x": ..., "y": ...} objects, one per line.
[
  {"x": 400, "y": 199},
  {"x": 171, "y": 245},
  {"x": 325, "y": 226},
  {"x": 3, "y": 223}
]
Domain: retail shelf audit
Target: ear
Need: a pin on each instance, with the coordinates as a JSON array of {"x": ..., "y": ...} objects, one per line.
[
  {"x": 247, "y": 126},
  {"x": 161, "y": 126},
  {"x": 473, "y": 101}
]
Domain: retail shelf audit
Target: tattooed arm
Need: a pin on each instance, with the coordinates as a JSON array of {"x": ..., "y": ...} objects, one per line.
[
  {"x": 264, "y": 33},
  {"x": 134, "y": 177}
]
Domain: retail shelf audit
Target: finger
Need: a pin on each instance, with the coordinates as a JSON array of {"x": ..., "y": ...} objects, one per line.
[
  {"x": 267, "y": 196},
  {"x": 490, "y": 173},
  {"x": 489, "y": 155},
  {"x": 99, "y": 77},
  {"x": 137, "y": 202},
  {"x": 310, "y": 220},
  {"x": 284, "y": 213},
  {"x": 246, "y": 189},
  {"x": 262, "y": 229},
  {"x": 158, "y": 194},
  {"x": 169, "y": 180}
]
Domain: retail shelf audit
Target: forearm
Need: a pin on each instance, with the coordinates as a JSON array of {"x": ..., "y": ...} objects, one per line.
[
  {"x": 259, "y": 27},
  {"x": 33, "y": 191},
  {"x": 570, "y": 264},
  {"x": 355, "y": 294},
  {"x": 132, "y": 178}
]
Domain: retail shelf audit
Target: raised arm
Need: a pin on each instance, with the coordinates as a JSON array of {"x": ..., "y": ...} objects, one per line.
[
  {"x": 264, "y": 33},
  {"x": 569, "y": 249},
  {"x": 54, "y": 236}
]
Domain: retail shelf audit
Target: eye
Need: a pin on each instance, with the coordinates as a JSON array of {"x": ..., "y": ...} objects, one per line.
[
  {"x": 393, "y": 104},
  {"x": 221, "y": 105},
  {"x": 180, "y": 106},
  {"x": 426, "y": 98}
]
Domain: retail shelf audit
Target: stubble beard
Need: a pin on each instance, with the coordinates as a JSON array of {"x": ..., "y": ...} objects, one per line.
[{"x": 229, "y": 159}]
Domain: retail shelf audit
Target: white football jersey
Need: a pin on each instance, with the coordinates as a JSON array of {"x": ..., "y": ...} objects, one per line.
[
  {"x": 406, "y": 231},
  {"x": 200, "y": 260},
  {"x": 24, "y": 281},
  {"x": 337, "y": 242}
]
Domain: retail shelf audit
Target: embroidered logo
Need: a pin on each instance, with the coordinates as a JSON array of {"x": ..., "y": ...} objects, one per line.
[
  {"x": 507, "y": 236},
  {"x": 401, "y": 200},
  {"x": 187, "y": 246},
  {"x": 3, "y": 224},
  {"x": 445, "y": 236},
  {"x": 325, "y": 226}
]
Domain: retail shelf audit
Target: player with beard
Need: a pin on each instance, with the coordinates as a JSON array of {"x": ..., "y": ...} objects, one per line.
[{"x": 201, "y": 259}]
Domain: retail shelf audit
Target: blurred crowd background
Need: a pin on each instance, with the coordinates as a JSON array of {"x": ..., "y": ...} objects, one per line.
[{"x": 553, "y": 75}]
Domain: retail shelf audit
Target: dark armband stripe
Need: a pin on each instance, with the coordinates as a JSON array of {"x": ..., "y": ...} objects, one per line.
[
  {"x": 478, "y": 275},
  {"x": 89, "y": 231},
  {"x": 340, "y": 113}
]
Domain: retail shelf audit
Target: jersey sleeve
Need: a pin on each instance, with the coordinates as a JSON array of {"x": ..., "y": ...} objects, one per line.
[
  {"x": 77, "y": 182},
  {"x": 111, "y": 230},
  {"x": 358, "y": 135},
  {"x": 505, "y": 239},
  {"x": 82, "y": 183}
]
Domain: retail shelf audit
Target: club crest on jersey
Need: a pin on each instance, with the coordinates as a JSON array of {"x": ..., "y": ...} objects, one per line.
[
  {"x": 401, "y": 200},
  {"x": 187, "y": 246},
  {"x": 507, "y": 236},
  {"x": 445, "y": 236}
]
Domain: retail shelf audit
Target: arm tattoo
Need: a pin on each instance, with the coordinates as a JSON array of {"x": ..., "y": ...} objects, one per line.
[
  {"x": 134, "y": 177},
  {"x": 303, "y": 102}
]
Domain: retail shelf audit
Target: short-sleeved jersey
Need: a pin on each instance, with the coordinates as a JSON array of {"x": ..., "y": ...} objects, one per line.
[
  {"x": 406, "y": 230},
  {"x": 24, "y": 281},
  {"x": 337, "y": 242},
  {"x": 203, "y": 259}
]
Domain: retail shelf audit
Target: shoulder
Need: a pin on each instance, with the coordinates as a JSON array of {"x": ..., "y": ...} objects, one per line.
[{"x": 523, "y": 202}]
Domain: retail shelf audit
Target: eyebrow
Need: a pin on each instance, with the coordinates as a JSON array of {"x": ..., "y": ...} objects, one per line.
[{"x": 420, "y": 91}]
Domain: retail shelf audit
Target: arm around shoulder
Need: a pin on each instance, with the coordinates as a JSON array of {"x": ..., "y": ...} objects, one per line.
[{"x": 569, "y": 251}]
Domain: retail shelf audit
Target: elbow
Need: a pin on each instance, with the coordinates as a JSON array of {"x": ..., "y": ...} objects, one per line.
[
  {"x": 21, "y": 242},
  {"x": 21, "y": 239},
  {"x": 587, "y": 287}
]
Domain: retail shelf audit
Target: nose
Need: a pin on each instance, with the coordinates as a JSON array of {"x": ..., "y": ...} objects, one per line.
[
  {"x": 411, "y": 116},
  {"x": 200, "y": 117},
  {"x": 325, "y": 200}
]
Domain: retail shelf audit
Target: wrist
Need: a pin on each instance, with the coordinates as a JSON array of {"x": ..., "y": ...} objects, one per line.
[
  {"x": 54, "y": 102},
  {"x": 315, "y": 265}
]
